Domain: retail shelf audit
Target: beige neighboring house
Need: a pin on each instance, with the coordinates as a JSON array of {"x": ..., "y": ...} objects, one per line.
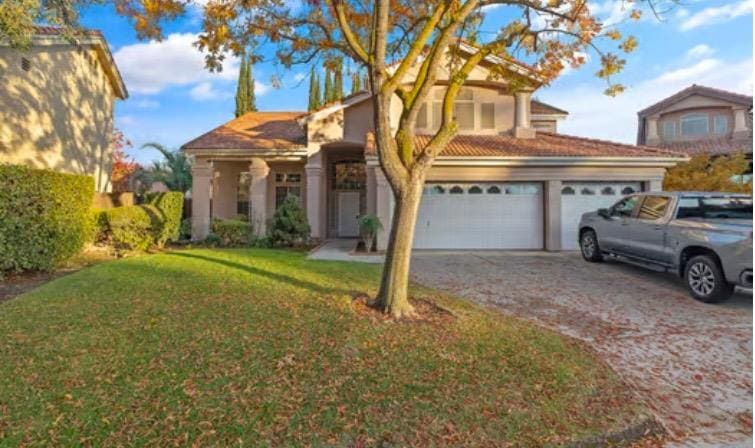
[
  {"x": 699, "y": 120},
  {"x": 508, "y": 181},
  {"x": 56, "y": 104}
]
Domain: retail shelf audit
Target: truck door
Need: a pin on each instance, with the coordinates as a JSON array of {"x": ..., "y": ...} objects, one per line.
[{"x": 648, "y": 232}]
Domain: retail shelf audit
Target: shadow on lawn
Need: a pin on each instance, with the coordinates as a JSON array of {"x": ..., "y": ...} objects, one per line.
[{"x": 263, "y": 273}]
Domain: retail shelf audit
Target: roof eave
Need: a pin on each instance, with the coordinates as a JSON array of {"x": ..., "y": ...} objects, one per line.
[{"x": 596, "y": 161}]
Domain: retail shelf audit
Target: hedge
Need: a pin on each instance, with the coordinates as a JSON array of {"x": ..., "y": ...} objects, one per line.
[
  {"x": 44, "y": 217},
  {"x": 171, "y": 205},
  {"x": 139, "y": 227},
  {"x": 233, "y": 232}
]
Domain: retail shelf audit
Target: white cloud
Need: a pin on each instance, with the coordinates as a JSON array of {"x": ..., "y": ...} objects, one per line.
[
  {"x": 260, "y": 88},
  {"x": 299, "y": 77},
  {"x": 700, "y": 51},
  {"x": 150, "y": 67},
  {"x": 717, "y": 14},
  {"x": 595, "y": 115},
  {"x": 146, "y": 104},
  {"x": 611, "y": 12},
  {"x": 205, "y": 91}
]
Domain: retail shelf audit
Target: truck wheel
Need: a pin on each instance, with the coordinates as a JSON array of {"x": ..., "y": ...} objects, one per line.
[
  {"x": 588, "y": 244},
  {"x": 705, "y": 280}
]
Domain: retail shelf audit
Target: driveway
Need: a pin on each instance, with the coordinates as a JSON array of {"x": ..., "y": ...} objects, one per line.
[{"x": 691, "y": 362}]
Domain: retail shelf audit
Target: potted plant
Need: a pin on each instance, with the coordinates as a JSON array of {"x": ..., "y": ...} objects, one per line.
[{"x": 369, "y": 226}]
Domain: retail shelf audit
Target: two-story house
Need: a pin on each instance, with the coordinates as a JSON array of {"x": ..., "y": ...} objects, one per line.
[
  {"x": 56, "y": 104},
  {"x": 699, "y": 120},
  {"x": 509, "y": 180}
]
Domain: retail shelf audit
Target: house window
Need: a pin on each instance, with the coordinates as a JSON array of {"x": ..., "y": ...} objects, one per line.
[
  {"x": 422, "y": 116},
  {"x": 437, "y": 189},
  {"x": 464, "y": 108},
  {"x": 627, "y": 190},
  {"x": 474, "y": 190},
  {"x": 456, "y": 190},
  {"x": 286, "y": 184},
  {"x": 494, "y": 189},
  {"x": 242, "y": 194},
  {"x": 349, "y": 176},
  {"x": 586, "y": 191},
  {"x": 694, "y": 124},
  {"x": 669, "y": 129},
  {"x": 720, "y": 124},
  {"x": 607, "y": 191},
  {"x": 569, "y": 191},
  {"x": 487, "y": 116}
]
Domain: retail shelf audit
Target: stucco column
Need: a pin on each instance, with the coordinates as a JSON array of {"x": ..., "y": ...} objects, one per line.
[
  {"x": 522, "y": 127},
  {"x": 383, "y": 207},
  {"x": 372, "y": 189},
  {"x": 258, "y": 171},
  {"x": 740, "y": 124},
  {"x": 201, "y": 173},
  {"x": 553, "y": 215},
  {"x": 315, "y": 199},
  {"x": 651, "y": 132}
]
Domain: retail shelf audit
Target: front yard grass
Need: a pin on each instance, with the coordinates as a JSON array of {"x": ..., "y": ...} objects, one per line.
[{"x": 263, "y": 347}]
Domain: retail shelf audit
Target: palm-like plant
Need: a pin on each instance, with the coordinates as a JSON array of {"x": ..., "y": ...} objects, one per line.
[{"x": 174, "y": 171}]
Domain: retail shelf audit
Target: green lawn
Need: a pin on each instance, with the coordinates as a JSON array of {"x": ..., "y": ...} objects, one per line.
[{"x": 261, "y": 347}]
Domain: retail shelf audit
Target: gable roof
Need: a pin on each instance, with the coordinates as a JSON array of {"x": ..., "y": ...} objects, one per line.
[
  {"x": 545, "y": 144},
  {"x": 540, "y": 108},
  {"x": 694, "y": 89},
  {"x": 53, "y": 35},
  {"x": 255, "y": 130}
]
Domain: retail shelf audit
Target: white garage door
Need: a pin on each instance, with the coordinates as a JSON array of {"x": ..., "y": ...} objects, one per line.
[
  {"x": 582, "y": 197},
  {"x": 502, "y": 215}
]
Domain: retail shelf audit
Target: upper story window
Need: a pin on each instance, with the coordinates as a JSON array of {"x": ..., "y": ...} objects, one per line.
[
  {"x": 463, "y": 108},
  {"x": 487, "y": 116},
  {"x": 720, "y": 124},
  {"x": 669, "y": 129},
  {"x": 464, "y": 111},
  {"x": 694, "y": 124}
]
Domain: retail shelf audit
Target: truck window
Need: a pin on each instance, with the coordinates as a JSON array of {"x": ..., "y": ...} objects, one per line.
[
  {"x": 625, "y": 207},
  {"x": 689, "y": 208},
  {"x": 723, "y": 208},
  {"x": 653, "y": 207}
]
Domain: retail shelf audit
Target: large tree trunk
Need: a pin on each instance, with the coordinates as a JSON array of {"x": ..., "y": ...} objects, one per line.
[{"x": 393, "y": 296}]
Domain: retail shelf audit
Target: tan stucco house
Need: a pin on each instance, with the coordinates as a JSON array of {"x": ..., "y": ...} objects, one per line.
[
  {"x": 508, "y": 181},
  {"x": 699, "y": 120},
  {"x": 56, "y": 104}
]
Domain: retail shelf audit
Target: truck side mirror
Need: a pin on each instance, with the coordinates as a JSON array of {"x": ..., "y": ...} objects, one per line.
[{"x": 604, "y": 213}]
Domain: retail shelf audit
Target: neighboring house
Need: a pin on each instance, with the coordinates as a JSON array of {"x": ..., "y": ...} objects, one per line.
[
  {"x": 503, "y": 183},
  {"x": 699, "y": 120},
  {"x": 56, "y": 104}
]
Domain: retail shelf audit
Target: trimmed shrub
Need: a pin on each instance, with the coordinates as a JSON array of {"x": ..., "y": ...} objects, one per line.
[
  {"x": 45, "y": 217},
  {"x": 233, "y": 232},
  {"x": 170, "y": 206},
  {"x": 289, "y": 226},
  {"x": 131, "y": 227}
]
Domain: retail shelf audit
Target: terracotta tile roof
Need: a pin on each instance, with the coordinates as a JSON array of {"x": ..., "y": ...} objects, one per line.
[
  {"x": 694, "y": 89},
  {"x": 712, "y": 147},
  {"x": 255, "y": 130},
  {"x": 540, "y": 108},
  {"x": 47, "y": 30},
  {"x": 545, "y": 144}
]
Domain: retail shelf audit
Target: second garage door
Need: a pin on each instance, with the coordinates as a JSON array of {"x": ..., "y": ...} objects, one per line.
[
  {"x": 502, "y": 215},
  {"x": 582, "y": 197}
]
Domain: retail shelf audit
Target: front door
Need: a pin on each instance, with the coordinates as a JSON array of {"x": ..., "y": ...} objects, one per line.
[{"x": 348, "y": 213}]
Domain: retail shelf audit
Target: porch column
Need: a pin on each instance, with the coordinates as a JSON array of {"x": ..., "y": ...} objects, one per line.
[
  {"x": 522, "y": 128},
  {"x": 371, "y": 189},
  {"x": 201, "y": 173},
  {"x": 652, "y": 185},
  {"x": 315, "y": 199},
  {"x": 258, "y": 171},
  {"x": 740, "y": 129},
  {"x": 383, "y": 207},
  {"x": 553, "y": 215}
]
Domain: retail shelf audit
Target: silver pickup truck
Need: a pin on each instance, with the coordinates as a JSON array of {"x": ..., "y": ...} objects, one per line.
[{"x": 705, "y": 237}]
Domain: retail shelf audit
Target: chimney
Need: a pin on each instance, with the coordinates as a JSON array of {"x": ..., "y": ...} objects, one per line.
[{"x": 522, "y": 127}]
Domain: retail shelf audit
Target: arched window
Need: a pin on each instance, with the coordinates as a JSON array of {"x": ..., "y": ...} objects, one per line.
[
  {"x": 494, "y": 189},
  {"x": 437, "y": 190},
  {"x": 586, "y": 191},
  {"x": 694, "y": 124},
  {"x": 474, "y": 189},
  {"x": 627, "y": 190},
  {"x": 567, "y": 191},
  {"x": 456, "y": 190},
  {"x": 608, "y": 191}
]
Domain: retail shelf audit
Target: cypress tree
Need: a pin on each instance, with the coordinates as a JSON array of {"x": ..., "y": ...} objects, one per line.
[
  {"x": 242, "y": 89},
  {"x": 252, "y": 99},
  {"x": 314, "y": 90},
  {"x": 356, "y": 82},
  {"x": 328, "y": 94},
  {"x": 338, "y": 81}
]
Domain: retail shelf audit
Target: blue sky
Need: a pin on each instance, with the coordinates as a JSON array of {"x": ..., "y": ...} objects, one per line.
[{"x": 174, "y": 99}]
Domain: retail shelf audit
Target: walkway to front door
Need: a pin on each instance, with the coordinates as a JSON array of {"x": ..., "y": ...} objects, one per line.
[{"x": 341, "y": 249}]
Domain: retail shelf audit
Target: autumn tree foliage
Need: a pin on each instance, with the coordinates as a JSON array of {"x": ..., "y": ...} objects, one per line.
[
  {"x": 406, "y": 47},
  {"x": 123, "y": 165},
  {"x": 705, "y": 173}
]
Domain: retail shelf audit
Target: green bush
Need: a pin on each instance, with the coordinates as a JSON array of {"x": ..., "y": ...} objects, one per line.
[
  {"x": 212, "y": 240},
  {"x": 233, "y": 232},
  {"x": 45, "y": 217},
  {"x": 185, "y": 232},
  {"x": 170, "y": 206},
  {"x": 132, "y": 227},
  {"x": 289, "y": 226}
]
